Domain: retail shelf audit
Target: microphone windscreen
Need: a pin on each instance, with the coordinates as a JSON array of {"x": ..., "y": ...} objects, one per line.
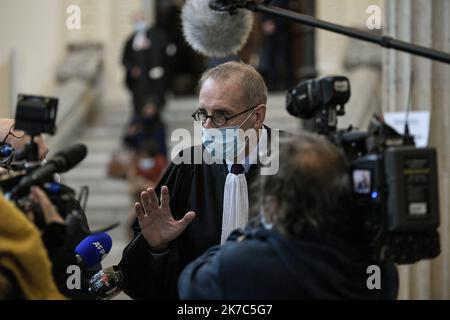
[
  {"x": 69, "y": 157},
  {"x": 214, "y": 33},
  {"x": 94, "y": 248}
]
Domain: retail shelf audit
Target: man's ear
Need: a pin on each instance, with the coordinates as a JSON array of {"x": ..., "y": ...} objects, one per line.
[{"x": 259, "y": 115}]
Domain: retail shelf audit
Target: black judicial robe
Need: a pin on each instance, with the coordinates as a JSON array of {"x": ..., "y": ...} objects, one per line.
[{"x": 192, "y": 187}]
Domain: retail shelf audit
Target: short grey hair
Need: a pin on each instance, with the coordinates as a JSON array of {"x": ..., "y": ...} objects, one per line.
[{"x": 254, "y": 89}]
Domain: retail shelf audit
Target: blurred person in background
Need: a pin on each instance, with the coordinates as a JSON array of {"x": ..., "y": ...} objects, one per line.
[
  {"x": 145, "y": 139},
  {"x": 144, "y": 59},
  {"x": 275, "y": 62},
  {"x": 147, "y": 128},
  {"x": 146, "y": 169},
  {"x": 184, "y": 65}
]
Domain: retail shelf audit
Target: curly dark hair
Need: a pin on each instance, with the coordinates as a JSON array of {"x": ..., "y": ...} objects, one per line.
[{"x": 312, "y": 187}]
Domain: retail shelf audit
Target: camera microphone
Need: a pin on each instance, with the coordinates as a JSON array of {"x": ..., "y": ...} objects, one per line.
[
  {"x": 63, "y": 161},
  {"x": 93, "y": 249},
  {"x": 213, "y": 28}
]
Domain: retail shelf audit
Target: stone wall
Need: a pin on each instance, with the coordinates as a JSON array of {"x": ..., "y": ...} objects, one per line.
[{"x": 425, "y": 23}]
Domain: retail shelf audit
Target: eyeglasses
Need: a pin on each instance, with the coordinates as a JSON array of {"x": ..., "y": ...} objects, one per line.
[
  {"x": 218, "y": 118},
  {"x": 10, "y": 133},
  {"x": 6, "y": 150}
]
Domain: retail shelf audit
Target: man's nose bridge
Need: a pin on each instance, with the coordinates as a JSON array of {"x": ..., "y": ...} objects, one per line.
[{"x": 208, "y": 123}]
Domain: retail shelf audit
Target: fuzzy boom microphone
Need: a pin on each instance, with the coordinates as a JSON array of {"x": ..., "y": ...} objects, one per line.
[{"x": 215, "y": 33}]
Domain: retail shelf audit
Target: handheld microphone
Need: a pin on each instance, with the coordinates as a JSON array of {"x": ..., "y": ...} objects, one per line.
[
  {"x": 93, "y": 249},
  {"x": 107, "y": 283},
  {"x": 63, "y": 161},
  {"x": 215, "y": 32}
]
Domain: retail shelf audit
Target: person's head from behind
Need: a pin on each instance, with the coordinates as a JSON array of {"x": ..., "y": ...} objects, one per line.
[
  {"x": 311, "y": 189},
  {"x": 234, "y": 94}
]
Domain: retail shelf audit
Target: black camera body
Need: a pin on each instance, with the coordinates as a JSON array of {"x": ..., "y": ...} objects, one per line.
[
  {"x": 36, "y": 114},
  {"x": 396, "y": 195},
  {"x": 321, "y": 99},
  {"x": 395, "y": 184}
]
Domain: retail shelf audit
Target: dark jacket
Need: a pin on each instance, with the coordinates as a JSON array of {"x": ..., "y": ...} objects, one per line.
[{"x": 268, "y": 266}]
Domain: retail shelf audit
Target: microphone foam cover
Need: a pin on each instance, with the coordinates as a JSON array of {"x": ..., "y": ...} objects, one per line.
[
  {"x": 214, "y": 33},
  {"x": 94, "y": 248},
  {"x": 70, "y": 156}
]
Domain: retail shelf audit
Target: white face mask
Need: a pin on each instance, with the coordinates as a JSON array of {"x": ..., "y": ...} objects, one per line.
[
  {"x": 263, "y": 219},
  {"x": 146, "y": 163},
  {"x": 140, "y": 26},
  {"x": 224, "y": 143}
]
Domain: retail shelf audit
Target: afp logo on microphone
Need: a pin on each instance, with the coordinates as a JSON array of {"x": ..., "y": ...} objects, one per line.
[
  {"x": 89, "y": 253},
  {"x": 101, "y": 249}
]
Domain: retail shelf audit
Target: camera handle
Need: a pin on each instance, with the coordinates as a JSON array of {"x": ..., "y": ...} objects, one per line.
[
  {"x": 32, "y": 150},
  {"x": 325, "y": 120}
]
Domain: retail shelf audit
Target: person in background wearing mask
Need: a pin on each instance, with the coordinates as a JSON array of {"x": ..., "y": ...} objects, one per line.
[
  {"x": 144, "y": 59},
  {"x": 147, "y": 166},
  {"x": 308, "y": 246},
  {"x": 207, "y": 200},
  {"x": 145, "y": 129}
]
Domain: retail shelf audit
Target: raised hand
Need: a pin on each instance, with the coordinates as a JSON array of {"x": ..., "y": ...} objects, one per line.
[{"x": 157, "y": 224}]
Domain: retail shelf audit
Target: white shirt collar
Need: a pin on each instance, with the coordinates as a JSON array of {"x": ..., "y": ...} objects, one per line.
[{"x": 253, "y": 156}]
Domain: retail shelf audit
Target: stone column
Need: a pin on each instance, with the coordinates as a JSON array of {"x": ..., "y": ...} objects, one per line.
[{"x": 425, "y": 23}]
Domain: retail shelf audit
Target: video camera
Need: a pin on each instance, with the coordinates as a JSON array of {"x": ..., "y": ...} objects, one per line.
[
  {"x": 36, "y": 115},
  {"x": 395, "y": 183}
]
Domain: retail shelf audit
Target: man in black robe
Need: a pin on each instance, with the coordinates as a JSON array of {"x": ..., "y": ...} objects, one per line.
[{"x": 197, "y": 213}]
